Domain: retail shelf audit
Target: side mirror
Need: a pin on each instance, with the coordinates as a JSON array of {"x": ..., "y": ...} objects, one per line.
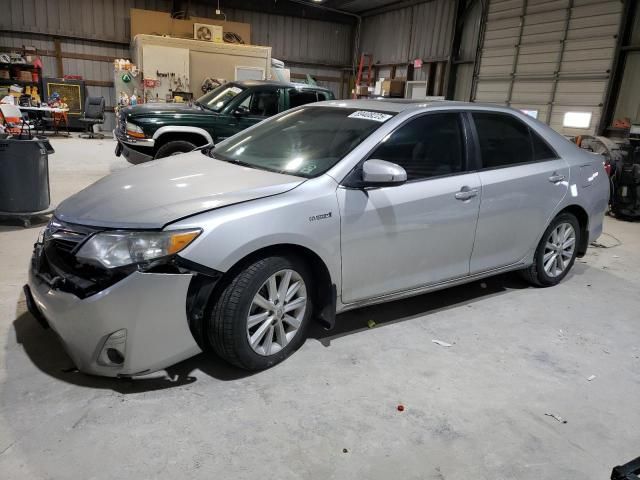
[
  {"x": 241, "y": 112},
  {"x": 380, "y": 173}
]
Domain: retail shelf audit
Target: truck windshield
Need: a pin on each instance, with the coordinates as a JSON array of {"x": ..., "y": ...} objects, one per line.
[
  {"x": 218, "y": 98},
  {"x": 305, "y": 142}
]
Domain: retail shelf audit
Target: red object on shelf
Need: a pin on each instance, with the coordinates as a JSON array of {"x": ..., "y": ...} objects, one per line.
[{"x": 35, "y": 76}]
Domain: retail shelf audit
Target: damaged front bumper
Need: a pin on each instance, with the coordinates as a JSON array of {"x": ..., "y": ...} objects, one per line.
[
  {"x": 117, "y": 322},
  {"x": 143, "y": 317}
]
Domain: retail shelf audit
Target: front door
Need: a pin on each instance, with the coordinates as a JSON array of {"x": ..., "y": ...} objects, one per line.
[
  {"x": 415, "y": 234},
  {"x": 523, "y": 181}
]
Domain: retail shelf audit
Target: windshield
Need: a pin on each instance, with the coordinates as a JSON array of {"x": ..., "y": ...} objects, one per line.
[
  {"x": 220, "y": 97},
  {"x": 305, "y": 142}
]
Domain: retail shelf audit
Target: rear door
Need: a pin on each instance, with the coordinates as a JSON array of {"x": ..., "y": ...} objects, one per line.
[
  {"x": 418, "y": 233},
  {"x": 523, "y": 180}
]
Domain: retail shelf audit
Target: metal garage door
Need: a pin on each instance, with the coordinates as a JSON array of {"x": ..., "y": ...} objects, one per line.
[{"x": 550, "y": 57}]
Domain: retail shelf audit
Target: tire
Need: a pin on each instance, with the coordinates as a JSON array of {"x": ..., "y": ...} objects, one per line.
[
  {"x": 174, "y": 147},
  {"x": 546, "y": 276},
  {"x": 229, "y": 332}
]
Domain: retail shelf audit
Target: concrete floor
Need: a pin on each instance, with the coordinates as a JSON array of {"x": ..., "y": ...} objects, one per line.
[{"x": 476, "y": 409}]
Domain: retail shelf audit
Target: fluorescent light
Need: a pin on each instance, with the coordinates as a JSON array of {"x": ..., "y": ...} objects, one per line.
[
  {"x": 531, "y": 113},
  {"x": 577, "y": 119}
]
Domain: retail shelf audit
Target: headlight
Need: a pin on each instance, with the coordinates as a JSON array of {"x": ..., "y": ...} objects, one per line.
[
  {"x": 119, "y": 248},
  {"x": 134, "y": 130}
]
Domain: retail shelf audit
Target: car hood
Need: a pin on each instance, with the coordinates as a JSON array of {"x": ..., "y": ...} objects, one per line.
[{"x": 159, "y": 192}]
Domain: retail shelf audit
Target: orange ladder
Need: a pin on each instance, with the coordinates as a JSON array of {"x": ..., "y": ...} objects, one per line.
[{"x": 369, "y": 58}]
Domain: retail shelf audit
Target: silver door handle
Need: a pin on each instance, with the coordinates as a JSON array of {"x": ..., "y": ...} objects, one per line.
[
  {"x": 556, "y": 178},
  {"x": 466, "y": 194}
]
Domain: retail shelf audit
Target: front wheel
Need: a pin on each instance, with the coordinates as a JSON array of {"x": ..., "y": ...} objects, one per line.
[
  {"x": 556, "y": 252},
  {"x": 175, "y": 147},
  {"x": 262, "y": 314}
]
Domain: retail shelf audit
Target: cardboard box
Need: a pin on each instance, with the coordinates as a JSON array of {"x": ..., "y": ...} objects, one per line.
[
  {"x": 393, "y": 88},
  {"x": 362, "y": 90},
  {"x": 150, "y": 22}
]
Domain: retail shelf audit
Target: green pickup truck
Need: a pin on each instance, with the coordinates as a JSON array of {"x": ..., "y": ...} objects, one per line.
[{"x": 157, "y": 130}]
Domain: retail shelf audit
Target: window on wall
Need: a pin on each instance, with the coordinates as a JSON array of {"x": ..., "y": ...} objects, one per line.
[
  {"x": 428, "y": 146},
  {"x": 505, "y": 140}
]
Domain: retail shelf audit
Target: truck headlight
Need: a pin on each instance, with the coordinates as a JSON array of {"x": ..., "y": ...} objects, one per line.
[
  {"x": 134, "y": 130},
  {"x": 120, "y": 248}
]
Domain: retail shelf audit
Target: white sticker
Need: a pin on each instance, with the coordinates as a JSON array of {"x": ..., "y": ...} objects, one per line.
[
  {"x": 235, "y": 90},
  {"x": 574, "y": 190},
  {"x": 367, "y": 115}
]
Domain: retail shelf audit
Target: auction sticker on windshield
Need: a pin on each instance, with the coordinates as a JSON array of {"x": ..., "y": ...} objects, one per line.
[{"x": 367, "y": 115}]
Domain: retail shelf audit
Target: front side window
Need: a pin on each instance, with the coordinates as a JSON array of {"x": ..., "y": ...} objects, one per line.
[
  {"x": 261, "y": 103},
  {"x": 305, "y": 142},
  {"x": 428, "y": 146}
]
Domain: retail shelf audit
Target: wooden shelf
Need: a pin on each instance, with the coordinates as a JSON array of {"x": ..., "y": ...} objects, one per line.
[
  {"x": 24, "y": 66},
  {"x": 8, "y": 81}
]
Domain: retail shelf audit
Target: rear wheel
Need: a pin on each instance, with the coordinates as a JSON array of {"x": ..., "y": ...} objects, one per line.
[
  {"x": 556, "y": 252},
  {"x": 261, "y": 316},
  {"x": 175, "y": 147}
]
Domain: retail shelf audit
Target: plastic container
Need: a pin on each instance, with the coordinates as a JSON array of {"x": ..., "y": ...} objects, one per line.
[{"x": 24, "y": 175}]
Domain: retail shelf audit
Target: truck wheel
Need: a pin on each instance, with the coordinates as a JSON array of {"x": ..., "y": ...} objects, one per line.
[
  {"x": 262, "y": 315},
  {"x": 555, "y": 253},
  {"x": 175, "y": 147}
]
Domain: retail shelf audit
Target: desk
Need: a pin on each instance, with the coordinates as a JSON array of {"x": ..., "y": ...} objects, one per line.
[{"x": 59, "y": 117}]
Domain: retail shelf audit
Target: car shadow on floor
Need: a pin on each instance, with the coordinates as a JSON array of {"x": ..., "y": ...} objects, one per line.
[
  {"x": 44, "y": 349},
  {"x": 355, "y": 321}
]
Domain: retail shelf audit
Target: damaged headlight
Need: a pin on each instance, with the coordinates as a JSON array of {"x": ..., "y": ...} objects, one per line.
[{"x": 120, "y": 248}]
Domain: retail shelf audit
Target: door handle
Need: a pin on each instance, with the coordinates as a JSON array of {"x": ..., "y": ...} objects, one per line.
[
  {"x": 555, "y": 178},
  {"x": 466, "y": 193}
]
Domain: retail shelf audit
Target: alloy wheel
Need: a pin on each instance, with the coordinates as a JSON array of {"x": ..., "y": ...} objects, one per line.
[
  {"x": 558, "y": 250},
  {"x": 276, "y": 312}
]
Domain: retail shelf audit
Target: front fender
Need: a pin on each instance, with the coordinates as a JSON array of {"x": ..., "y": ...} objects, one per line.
[
  {"x": 306, "y": 216},
  {"x": 182, "y": 129}
]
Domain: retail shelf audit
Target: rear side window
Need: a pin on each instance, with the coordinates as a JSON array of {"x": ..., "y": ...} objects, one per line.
[
  {"x": 301, "y": 97},
  {"x": 505, "y": 140},
  {"x": 428, "y": 146},
  {"x": 541, "y": 150}
]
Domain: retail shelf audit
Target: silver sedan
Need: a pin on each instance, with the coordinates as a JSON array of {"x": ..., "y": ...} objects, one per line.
[{"x": 237, "y": 248}]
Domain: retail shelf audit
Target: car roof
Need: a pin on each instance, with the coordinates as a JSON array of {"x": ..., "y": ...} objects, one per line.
[
  {"x": 274, "y": 83},
  {"x": 397, "y": 105}
]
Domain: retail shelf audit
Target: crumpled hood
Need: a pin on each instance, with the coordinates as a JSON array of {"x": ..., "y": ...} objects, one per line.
[{"x": 158, "y": 192}]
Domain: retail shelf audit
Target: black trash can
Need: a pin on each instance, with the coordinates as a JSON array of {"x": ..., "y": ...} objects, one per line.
[{"x": 24, "y": 175}]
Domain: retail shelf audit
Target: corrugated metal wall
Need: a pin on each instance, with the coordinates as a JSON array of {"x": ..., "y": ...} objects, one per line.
[
  {"x": 420, "y": 31},
  {"x": 101, "y": 27},
  {"x": 553, "y": 56}
]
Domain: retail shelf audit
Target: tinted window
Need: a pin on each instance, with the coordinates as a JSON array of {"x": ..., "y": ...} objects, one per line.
[
  {"x": 541, "y": 151},
  {"x": 260, "y": 103},
  {"x": 504, "y": 140},
  {"x": 428, "y": 146},
  {"x": 324, "y": 96},
  {"x": 305, "y": 142},
  {"x": 301, "y": 97}
]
